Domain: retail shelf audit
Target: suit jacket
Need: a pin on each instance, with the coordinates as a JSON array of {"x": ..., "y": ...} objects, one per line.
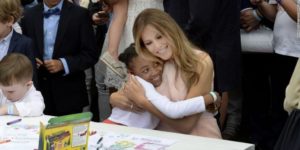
[
  {"x": 178, "y": 10},
  {"x": 75, "y": 42},
  {"x": 22, "y": 44}
]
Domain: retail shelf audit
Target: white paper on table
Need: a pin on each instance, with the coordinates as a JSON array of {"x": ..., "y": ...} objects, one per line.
[
  {"x": 21, "y": 136},
  {"x": 121, "y": 141}
]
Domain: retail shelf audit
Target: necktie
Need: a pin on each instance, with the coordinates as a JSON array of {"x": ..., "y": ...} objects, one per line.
[{"x": 50, "y": 12}]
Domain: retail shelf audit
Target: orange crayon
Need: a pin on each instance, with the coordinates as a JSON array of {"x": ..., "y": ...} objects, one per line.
[{"x": 4, "y": 141}]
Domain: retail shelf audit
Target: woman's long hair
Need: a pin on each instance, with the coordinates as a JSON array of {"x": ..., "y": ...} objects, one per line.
[{"x": 184, "y": 55}]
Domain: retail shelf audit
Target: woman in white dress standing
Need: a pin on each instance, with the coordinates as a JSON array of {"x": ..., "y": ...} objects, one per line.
[{"x": 118, "y": 37}]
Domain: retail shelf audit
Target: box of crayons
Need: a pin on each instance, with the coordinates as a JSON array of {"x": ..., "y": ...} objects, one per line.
[{"x": 68, "y": 132}]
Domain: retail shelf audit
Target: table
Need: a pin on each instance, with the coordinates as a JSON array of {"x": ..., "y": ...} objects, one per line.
[{"x": 182, "y": 141}]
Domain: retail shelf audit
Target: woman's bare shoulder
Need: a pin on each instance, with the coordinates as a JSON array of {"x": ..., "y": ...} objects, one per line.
[{"x": 203, "y": 57}]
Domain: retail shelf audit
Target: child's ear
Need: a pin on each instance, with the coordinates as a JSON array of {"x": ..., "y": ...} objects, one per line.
[
  {"x": 29, "y": 83},
  {"x": 11, "y": 21}
]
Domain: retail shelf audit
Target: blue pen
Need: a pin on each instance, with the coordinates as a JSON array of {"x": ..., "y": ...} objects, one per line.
[{"x": 13, "y": 122}]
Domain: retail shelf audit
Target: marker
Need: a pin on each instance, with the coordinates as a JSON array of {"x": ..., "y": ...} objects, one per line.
[
  {"x": 99, "y": 140},
  {"x": 13, "y": 122},
  {"x": 98, "y": 143},
  {"x": 4, "y": 141}
]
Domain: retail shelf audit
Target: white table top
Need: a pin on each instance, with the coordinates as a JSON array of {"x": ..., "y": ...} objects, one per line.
[{"x": 183, "y": 141}]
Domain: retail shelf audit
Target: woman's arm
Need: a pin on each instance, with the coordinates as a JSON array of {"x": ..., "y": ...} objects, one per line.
[
  {"x": 204, "y": 85},
  {"x": 116, "y": 27},
  {"x": 183, "y": 125},
  {"x": 290, "y": 6},
  {"x": 267, "y": 10}
]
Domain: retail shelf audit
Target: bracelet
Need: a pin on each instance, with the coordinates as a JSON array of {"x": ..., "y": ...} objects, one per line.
[
  {"x": 10, "y": 109},
  {"x": 257, "y": 17},
  {"x": 213, "y": 94}
]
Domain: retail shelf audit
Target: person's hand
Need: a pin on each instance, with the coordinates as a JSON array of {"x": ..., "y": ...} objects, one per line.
[
  {"x": 214, "y": 107},
  {"x": 134, "y": 91},
  {"x": 39, "y": 63},
  {"x": 218, "y": 102},
  {"x": 248, "y": 20},
  {"x": 53, "y": 65},
  {"x": 3, "y": 110},
  {"x": 211, "y": 108},
  {"x": 106, "y": 8},
  {"x": 100, "y": 18},
  {"x": 118, "y": 99}
]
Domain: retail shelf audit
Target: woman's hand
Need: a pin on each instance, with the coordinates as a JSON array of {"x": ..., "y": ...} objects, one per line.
[{"x": 134, "y": 91}]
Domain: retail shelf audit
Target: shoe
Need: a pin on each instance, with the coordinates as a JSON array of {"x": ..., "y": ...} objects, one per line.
[{"x": 114, "y": 65}]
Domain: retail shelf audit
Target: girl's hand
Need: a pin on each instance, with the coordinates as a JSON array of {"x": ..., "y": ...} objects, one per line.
[
  {"x": 118, "y": 99},
  {"x": 214, "y": 107},
  {"x": 134, "y": 91}
]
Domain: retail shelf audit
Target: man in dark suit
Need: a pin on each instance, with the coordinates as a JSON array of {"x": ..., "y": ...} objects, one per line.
[
  {"x": 64, "y": 47},
  {"x": 178, "y": 10}
]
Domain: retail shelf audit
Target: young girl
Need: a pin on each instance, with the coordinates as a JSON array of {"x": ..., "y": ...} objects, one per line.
[{"x": 188, "y": 71}]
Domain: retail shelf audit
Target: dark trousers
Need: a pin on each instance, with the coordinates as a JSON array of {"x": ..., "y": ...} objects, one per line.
[
  {"x": 290, "y": 135},
  {"x": 265, "y": 77}
]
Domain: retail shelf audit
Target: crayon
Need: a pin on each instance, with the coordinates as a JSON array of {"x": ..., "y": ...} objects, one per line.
[
  {"x": 13, "y": 122},
  {"x": 4, "y": 141},
  {"x": 93, "y": 132}
]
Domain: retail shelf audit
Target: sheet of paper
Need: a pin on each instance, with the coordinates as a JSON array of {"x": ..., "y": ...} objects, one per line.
[
  {"x": 19, "y": 136},
  {"x": 118, "y": 141}
]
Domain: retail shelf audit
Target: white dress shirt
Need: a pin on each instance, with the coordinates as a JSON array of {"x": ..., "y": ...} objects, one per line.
[
  {"x": 32, "y": 104},
  {"x": 4, "y": 45}
]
